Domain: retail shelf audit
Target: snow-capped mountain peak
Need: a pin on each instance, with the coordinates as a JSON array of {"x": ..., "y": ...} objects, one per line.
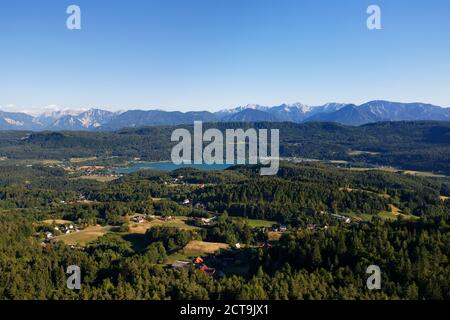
[{"x": 55, "y": 118}]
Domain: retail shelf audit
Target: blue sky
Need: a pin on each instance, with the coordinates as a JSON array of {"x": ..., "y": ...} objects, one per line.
[{"x": 214, "y": 54}]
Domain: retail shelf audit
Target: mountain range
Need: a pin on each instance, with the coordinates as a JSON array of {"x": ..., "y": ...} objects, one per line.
[{"x": 103, "y": 120}]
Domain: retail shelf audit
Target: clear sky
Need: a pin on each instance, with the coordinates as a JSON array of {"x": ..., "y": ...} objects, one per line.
[{"x": 214, "y": 54}]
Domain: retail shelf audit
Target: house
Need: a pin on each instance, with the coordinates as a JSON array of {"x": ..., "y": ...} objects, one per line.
[
  {"x": 186, "y": 202},
  {"x": 237, "y": 245},
  {"x": 342, "y": 218},
  {"x": 138, "y": 219},
  {"x": 283, "y": 228},
  {"x": 207, "y": 270},
  {"x": 198, "y": 260},
  {"x": 48, "y": 235},
  {"x": 165, "y": 219}
]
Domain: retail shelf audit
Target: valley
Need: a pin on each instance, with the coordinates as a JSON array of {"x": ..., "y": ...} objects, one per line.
[{"x": 139, "y": 228}]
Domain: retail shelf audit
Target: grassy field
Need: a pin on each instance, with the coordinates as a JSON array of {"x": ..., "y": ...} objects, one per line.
[
  {"x": 256, "y": 223},
  {"x": 394, "y": 216},
  {"x": 359, "y": 152},
  {"x": 99, "y": 178},
  {"x": 44, "y": 162},
  {"x": 202, "y": 247},
  {"x": 385, "y": 215},
  {"x": 83, "y": 236},
  {"x": 176, "y": 222},
  {"x": 360, "y": 216},
  {"x": 195, "y": 249},
  {"x": 337, "y": 161},
  {"x": 423, "y": 174},
  {"x": 57, "y": 221},
  {"x": 384, "y": 195},
  {"x": 406, "y": 172},
  {"x": 386, "y": 169},
  {"x": 80, "y": 160}
]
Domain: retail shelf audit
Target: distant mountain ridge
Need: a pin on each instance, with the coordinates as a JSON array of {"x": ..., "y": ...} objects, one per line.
[{"x": 102, "y": 120}]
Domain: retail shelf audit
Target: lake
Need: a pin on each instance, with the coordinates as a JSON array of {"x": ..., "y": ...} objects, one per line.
[{"x": 168, "y": 166}]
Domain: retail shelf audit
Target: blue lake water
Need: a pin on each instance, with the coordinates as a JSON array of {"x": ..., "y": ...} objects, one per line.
[{"x": 169, "y": 166}]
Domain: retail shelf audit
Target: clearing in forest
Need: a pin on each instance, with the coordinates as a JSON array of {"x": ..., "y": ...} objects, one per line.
[{"x": 84, "y": 236}]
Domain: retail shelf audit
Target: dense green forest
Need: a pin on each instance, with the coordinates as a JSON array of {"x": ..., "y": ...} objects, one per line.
[
  {"x": 423, "y": 146},
  {"x": 399, "y": 222}
]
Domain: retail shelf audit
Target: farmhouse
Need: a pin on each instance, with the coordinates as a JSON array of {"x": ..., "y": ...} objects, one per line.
[
  {"x": 138, "y": 219},
  {"x": 341, "y": 218},
  {"x": 207, "y": 270},
  {"x": 198, "y": 260}
]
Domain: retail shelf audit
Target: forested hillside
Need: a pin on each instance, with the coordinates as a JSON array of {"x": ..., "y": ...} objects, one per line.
[
  {"x": 423, "y": 146},
  {"x": 294, "y": 238}
]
